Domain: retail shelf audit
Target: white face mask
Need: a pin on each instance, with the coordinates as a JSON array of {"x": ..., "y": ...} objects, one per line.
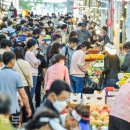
[
  {"x": 63, "y": 118},
  {"x": 60, "y": 105},
  {"x": 43, "y": 33},
  {"x": 48, "y": 42},
  {"x": 35, "y": 52},
  {"x": 75, "y": 48}
]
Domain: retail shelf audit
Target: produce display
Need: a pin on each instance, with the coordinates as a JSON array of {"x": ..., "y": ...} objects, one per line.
[
  {"x": 99, "y": 115},
  {"x": 123, "y": 79},
  {"x": 95, "y": 69},
  {"x": 93, "y": 51},
  {"x": 94, "y": 57}
]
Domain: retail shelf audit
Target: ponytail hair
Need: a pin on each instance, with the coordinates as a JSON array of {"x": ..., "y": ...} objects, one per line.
[{"x": 57, "y": 58}]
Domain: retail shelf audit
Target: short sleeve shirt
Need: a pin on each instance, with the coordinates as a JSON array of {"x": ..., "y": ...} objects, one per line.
[{"x": 10, "y": 82}]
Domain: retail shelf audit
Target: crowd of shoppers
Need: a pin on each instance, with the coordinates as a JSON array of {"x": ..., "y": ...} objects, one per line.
[{"x": 46, "y": 54}]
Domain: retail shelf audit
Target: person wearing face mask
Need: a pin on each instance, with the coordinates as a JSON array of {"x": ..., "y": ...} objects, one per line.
[
  {"x": 57, "y": 71},
  {"x": 76, "y": 119},
  {"x": 45, "y": 119},
  {"x": 13, "y": 39},
  {"x": 36, "y": 34},
  {"x": 44, "y": 45},
  {"x": 69, "y": 49},
  {"x": 57, "y": 96},
  {"x": 34, "y": 62},
  {"x": 78, "y": 67},
  {"x": 5, "y": 46},
  {"x": 83, "y": 33},
  {"x": 42, "y": 35},
  {"x": 126, "y": 65},
  {"x": 64, "y": 33}
]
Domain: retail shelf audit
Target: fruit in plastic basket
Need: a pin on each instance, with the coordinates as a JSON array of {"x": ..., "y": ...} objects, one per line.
[
  {"x": 105, "y": 118},
  {"x": 93, "y": 122},
  {"x": 95, "y": 113},
  {"x": 105, "y": 122},
  {"x": 99, "y": 115},
  {"x": 105, "y": 107},
  {"x": 99, "y": 123}
]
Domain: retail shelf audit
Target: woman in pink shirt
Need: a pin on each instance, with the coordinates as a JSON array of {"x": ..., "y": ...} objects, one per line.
[
  {"x": 58, "y": 71},
  {"x": 34, "y": 62}
]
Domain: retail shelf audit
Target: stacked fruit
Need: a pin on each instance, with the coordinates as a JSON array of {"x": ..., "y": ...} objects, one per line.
[
  {"x": 99, "y": 115},
  {"x": 123, "y": 79},
  {"x": 93, "y": 51},
  {"x": 94, "y": 57}
]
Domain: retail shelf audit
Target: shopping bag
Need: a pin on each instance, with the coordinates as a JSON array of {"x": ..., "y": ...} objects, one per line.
[
  {"x": 89, "y": 85},
  {"x": 101, "y": 84}
]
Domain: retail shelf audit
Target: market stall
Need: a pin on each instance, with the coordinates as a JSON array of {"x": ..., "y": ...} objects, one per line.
[
  {"x": 94, "y": 64},
  {"x": 99, "y": 104}
]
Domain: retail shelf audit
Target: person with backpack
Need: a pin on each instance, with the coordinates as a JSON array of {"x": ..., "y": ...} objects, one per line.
[{"x": 69, "y": 49}]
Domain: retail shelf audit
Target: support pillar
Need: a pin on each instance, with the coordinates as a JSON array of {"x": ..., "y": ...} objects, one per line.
[{"x": 128, "y": 23}]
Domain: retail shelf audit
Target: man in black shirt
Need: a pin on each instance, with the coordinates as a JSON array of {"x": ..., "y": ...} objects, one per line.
[{"x": 41, "y": 71}]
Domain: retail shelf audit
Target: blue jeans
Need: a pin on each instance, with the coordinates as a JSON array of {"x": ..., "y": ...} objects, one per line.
[
  {"x": 77, "y": 84},
  {"x": 34, "y": 86},
  {"x": 111, "y": 82}
]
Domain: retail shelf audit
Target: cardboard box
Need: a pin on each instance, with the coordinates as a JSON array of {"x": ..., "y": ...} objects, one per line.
[
  {"x": 75, "y": 98},
  {"x": 99, "y": 98},
  {"x": 88, "y": 99}
]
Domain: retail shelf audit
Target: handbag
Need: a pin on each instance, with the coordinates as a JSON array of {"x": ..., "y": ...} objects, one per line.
[
  {"x": 89, "y": 85},
  {"x": 27, "y": 90},
  {"x": 101, "y": 83}
]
